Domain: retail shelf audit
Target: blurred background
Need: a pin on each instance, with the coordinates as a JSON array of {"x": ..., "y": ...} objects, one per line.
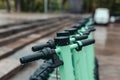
[
  {"x": 25, "y": 23},
  {"x": 77, "y": 6}
]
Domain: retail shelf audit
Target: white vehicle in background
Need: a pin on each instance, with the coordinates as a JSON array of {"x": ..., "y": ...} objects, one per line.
[{"x": 101, "y": 16}]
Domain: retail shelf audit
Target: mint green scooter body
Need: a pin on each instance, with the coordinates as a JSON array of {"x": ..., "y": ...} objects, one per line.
[
  {"x": 66, "y": 70},
  {"x": 89, "y": 53},
  {"x": 78, "y": 65}
]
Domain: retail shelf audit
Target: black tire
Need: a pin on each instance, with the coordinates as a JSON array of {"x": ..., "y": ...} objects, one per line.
[{"x": 96, "y": 70}]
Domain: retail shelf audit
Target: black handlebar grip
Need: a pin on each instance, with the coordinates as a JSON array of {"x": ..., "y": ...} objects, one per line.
[
  {"x": 92, "y": 29},
  {"x": 86, "y": 32},
  {"x": 44, "y": 54},
  {"x": 81, "y": 37},
  {"x": 77, "y": 26},
  {"x": 84, "y": 21},
  {"x": 50, "y": 44},
  {"x": 88, "y": 42},
  {"x": 39, "y": 47}
]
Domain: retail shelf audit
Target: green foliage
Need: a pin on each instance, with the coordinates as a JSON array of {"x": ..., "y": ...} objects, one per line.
[
  {"x": 2, "y": 4},
  {"x": 115, "y": 9},
  {"x": 32, "y": 5},
  {"x": 38, "y": 6},
  {"x": 54, "y": 5},
  {"x": 66, "y": 6},
  {"x": 112, "y": 5}
]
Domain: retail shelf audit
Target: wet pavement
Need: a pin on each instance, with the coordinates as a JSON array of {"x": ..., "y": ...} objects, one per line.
[
  {"x": 28, "y": 70},
  {"x": 107, "y": 40},
  {"x": 6, "y": 18},
  {"x": 107, "y": 49}
]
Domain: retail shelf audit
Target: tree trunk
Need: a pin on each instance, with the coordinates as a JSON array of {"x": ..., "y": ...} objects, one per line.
[
  {"x": 63, "y": 4},
  {"x": 17, "y": 5},
  {"x": 32, "y": 5},
  {"x": 75, "y": 6},
  {"x": 8, "y": 5}
]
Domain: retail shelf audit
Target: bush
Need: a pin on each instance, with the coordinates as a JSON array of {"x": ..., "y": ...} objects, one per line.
[
  {"x": 32, "y": 5},
  {"x": 2, "y": 4}
]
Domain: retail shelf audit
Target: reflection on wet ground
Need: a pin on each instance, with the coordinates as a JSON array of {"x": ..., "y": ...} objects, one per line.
[
  {"x": 107, "y": 50},
  {"x": 107, "y": 40}
]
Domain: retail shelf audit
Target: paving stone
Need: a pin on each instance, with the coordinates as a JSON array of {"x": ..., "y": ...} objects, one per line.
[{"x": 6, "y": 67}]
